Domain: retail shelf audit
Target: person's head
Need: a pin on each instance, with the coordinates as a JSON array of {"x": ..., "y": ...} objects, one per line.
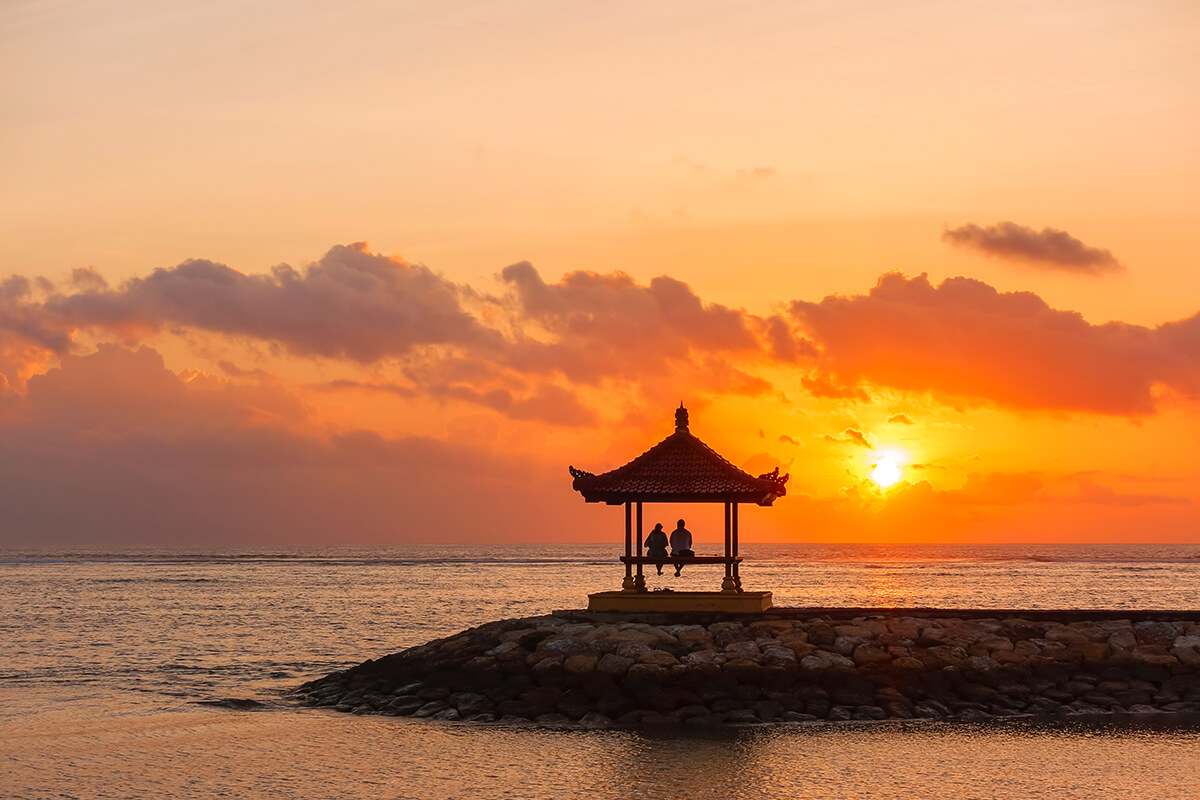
[
  {"x": 658, "y": 526},
  {"x": 681, "y": 523}
]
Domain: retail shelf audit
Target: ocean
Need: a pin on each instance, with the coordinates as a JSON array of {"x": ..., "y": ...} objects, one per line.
[{"x": 117, "y": 668}]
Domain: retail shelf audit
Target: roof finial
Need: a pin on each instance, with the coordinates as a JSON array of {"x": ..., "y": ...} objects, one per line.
[{"x": 681, "y": 418}]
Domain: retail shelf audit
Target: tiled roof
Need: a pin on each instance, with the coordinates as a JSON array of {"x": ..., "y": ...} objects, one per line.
[{"x": 680, "y": 468}]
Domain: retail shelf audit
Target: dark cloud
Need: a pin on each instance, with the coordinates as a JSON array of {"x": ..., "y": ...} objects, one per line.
[
  {"x": 607, "y": 323},
  {"x": 1048, "y": 248},
  {"x": 964, "y": 338},
  {"x": 399, "y": 390},
  {"x": 113, "y": 447},
  {"x": 88, "y": 279},
  {"x": 900, "y": 419},
  {"x": 351, "y": 304},
  {"x": 548, "y": 403},
  {"x": 22, "y": 316},
  {"x": 594, "y": 329}
]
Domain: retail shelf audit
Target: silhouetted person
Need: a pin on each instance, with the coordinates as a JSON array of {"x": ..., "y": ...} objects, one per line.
[
  {"x": 656, "y": 545},
  {"x": 681, "y": 544}
]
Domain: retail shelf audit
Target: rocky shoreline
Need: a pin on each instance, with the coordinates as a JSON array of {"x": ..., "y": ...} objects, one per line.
[{"x": 580, "y": 669}]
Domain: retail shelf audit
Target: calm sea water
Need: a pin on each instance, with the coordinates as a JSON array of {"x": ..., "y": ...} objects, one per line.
[{"x": 107, "y": 659}]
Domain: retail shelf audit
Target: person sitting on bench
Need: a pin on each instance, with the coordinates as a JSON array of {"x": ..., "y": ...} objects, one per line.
[
  {"x": 681, "y": 545},
  {"x": 656, "y": 545}
]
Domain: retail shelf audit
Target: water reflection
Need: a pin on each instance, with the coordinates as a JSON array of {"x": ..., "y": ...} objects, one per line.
[{"x": 290, "y": 754}]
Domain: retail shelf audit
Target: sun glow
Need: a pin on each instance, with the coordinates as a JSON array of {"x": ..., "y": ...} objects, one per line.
[{"x": 887, "y": 469}]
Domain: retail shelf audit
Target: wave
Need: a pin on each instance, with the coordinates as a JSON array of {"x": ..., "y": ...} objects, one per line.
[
  {"x": 322, "y": 561},
  {"x": 870, "y": 556}
]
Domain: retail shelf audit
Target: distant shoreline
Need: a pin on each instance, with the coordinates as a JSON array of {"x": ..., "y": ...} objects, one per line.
[{"x": 786, "y": 665}]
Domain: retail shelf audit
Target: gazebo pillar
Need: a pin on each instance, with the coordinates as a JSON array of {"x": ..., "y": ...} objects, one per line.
[
  {"x": 627, "y": 585},
  {"x": 737, "y": 578},
  {"x": 639, "y": 581},
  {"x": 727, "y": 584}
]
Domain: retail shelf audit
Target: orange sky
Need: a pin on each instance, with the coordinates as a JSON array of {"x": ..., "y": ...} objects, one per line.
[{"x": 959, "y": 237}]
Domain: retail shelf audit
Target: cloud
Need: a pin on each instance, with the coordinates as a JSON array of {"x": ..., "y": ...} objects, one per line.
[
  {"x": 1049, "y": 248},
  {"x": 852, "y": 436},
  {"x": 22, "y": 316},
  {"x": 597, "y": 330},
  {"x": 900, "y": 419},
  {"x": 114, "y": 447},
  {"x": 1084, "y": 490},
  {"x": 341, "y": 384},
  {"x": 823, "y": 385},
  {"x": 965, "y": 339},
  {"x": 119, "y": 390},
  {"x": 351, "y": 304}
]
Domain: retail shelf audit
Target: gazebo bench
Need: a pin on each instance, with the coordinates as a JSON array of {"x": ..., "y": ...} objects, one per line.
[{"x": 681, "y": 560}]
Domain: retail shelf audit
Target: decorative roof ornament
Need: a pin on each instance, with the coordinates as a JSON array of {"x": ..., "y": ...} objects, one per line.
[{"x": 679, "y": 469}]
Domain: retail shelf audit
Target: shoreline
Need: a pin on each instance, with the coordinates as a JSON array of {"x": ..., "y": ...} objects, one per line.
[{"x": 786, "y": 665}]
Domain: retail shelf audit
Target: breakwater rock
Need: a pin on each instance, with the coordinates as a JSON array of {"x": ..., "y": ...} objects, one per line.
[{"x": 786, "y": 665}]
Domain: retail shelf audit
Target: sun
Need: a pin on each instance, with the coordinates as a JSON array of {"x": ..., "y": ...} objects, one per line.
[{"x": 887, "y": 470}]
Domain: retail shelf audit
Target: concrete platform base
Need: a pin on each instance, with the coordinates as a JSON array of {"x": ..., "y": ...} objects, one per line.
[{"x": 734, "y": 602}]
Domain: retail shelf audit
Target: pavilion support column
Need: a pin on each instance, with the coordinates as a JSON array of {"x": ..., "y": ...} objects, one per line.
[
  {"x": 737, "y": 578},
  {"x": 727, "y": 584},
  {"x": 639, "y": 580},
  {"x": 627, "y": 585}
]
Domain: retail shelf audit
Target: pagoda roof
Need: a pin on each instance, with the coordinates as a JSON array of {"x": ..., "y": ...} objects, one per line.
[{"x": 679, "y": 469}]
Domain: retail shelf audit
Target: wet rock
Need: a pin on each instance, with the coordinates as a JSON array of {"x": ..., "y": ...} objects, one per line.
[
  {"x": 236, "y": 703},
  {"x": 846, "y": 645},
  {"x": 868, "y": 712},
  {"x": 404, "y": 706},
  {"x": 469, "y": 703},
  {"x": 574, "y": 703},
  {"x": 430, "y": 708},
  {"x": 581, "y": 663},
  {"x": 823, "y": 660},
  {"x": 1187, "y": 650},
  {"x": 774, "y": 666},
  {"x": 595, "y": 720},
  {"x": 779, "y": 656},
  {"x": 723, "y": 704},
  {"x": 614, "y": 665},
  {"x": 767, "y": 710},
  {"x": 551, "y": 719},
  {"x": 1150, "y": 632},
  {"x": 648, "y": 672},
  {"x": 659, "y": 658},
  {"x": 840, "y": 714},
  {"x": 821, "y": 634},
  {"x": 740, "y": 716},
  {"x": 871, "y": 654}
]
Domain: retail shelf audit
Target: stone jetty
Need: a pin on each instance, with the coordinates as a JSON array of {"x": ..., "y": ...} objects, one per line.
[{"x": 596, "y": 670}]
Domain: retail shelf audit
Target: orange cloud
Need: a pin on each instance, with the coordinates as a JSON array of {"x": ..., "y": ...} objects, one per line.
[
  {"x": 114, "y": 447},
  {"x": 965, "y": 339},
  {"x": 852, "y": 436}
]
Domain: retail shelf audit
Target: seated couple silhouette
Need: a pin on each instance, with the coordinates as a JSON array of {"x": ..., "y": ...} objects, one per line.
[{"x": 680, "y": 542}]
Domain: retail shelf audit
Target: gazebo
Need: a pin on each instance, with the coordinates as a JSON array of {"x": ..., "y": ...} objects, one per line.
[{"x": 679, "y": 469}]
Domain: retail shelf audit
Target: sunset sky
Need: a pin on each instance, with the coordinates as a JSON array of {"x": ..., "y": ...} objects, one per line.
[{"x": 292, "y": 272}]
